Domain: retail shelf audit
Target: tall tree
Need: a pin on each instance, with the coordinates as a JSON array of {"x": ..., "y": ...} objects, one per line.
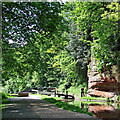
[{"x": 28, "y": 31}]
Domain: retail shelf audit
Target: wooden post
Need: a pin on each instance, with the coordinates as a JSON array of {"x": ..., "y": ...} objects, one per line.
[
  {"x": 55, "y": 94},
  {"x": 66, "y": 96}
]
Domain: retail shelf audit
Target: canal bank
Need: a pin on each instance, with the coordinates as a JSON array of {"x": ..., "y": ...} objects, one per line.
[{"x": 99, "y": 109}]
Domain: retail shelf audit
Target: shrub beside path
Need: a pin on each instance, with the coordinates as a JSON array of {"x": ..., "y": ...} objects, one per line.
[{"x": 34, "y": 107}]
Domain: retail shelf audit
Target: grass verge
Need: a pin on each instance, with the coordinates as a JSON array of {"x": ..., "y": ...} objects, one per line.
[
  {"x": 93, "y": 98},
  {"x": 64, "y": 105}
]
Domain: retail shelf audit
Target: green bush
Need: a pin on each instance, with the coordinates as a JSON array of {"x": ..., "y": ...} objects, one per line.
[{"x": 4, "y": 95}]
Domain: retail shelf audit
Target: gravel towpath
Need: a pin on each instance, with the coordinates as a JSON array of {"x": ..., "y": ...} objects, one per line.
[{"x": 33, "y": 107}]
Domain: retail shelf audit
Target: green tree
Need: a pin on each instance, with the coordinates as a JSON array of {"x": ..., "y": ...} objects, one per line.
[
  {"x": 106, "y": 45},
  {"x": 29, "y": 31}
]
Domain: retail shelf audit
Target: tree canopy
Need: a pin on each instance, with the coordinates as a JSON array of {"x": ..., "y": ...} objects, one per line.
[{"x": 51, "y": 43}]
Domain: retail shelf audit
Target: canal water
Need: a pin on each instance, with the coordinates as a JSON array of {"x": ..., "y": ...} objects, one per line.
[{"x": 102, "y": 110}]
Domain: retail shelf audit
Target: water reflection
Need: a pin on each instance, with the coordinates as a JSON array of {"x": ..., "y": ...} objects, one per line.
[{"x": 104, "y": 111}]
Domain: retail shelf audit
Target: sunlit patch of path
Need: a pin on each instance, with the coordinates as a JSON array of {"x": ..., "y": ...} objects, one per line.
[{"x": 34, "y": 107}]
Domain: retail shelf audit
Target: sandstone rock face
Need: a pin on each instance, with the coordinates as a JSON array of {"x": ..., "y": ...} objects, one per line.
[
  {"x": 98, "y": 93},
  {"x": 106, "y": 85}
]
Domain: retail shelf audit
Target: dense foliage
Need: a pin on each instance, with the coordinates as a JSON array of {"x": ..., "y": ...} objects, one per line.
[
  {"x": 105, "y": 47},
  {"x": 98, "y": 25},
  {"x": 29, "y": 31},
  {"x": 51, "y": 44}
]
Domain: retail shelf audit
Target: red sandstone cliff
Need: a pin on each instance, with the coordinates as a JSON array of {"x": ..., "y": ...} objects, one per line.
[{"x": 106, "y": 86}]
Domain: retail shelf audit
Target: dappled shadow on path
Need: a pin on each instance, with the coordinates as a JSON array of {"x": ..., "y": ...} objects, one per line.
[{"x": 33, "y": 107}]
